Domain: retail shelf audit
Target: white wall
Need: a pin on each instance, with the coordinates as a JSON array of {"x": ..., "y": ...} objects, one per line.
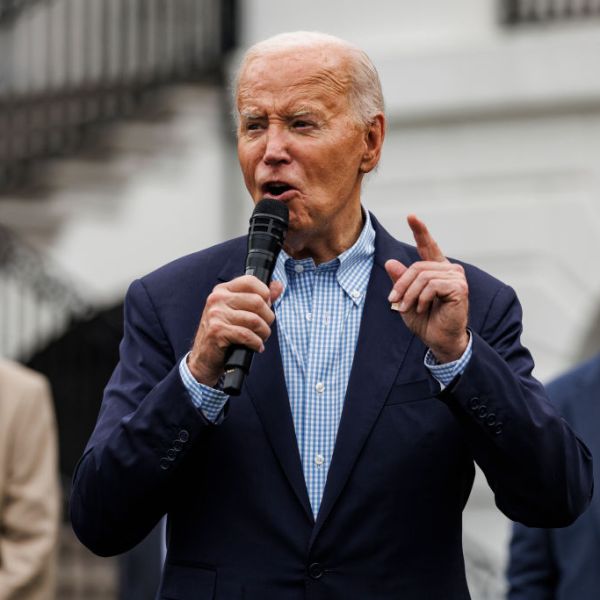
[
  {"x": 493, "y": 139},
  {"x": 422, "y": 25}
]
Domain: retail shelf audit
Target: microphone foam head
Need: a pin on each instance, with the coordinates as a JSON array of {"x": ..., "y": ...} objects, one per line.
[{"x": 272, "y": 208}]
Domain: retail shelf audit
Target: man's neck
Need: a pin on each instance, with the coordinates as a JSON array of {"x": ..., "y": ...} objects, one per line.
[{"x": 322, "y": 248}]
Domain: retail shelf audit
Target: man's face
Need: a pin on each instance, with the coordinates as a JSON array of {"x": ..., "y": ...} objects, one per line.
[{"x": 298, "y": 140}]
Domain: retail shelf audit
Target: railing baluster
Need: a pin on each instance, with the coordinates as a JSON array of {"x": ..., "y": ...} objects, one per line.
[
  {"x": 516, "y": 12},
  {"x": 69, "y": 64},
  {"x": 29, "y": 290}
]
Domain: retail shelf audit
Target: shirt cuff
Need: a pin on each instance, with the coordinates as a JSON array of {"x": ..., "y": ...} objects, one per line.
[
  {"x": 210, "y": 401},
  {"x": 444, "y": 373}
]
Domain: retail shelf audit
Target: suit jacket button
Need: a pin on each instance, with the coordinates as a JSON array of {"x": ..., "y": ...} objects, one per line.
[
  {"x": 491, "y": 420},
  {"x": 315, "y": 571},
  {"x": 498, "y": 429},
  {"x": 482, "y": 412},
  {"x": 171, "y": 453},
  {"x": 164, "y": 463},
  {"x": 184, "y": 436},
  {"x": 474, "y": 403}
]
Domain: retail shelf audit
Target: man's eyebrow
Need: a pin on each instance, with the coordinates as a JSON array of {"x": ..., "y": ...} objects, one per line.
[
  {"x": 251, "y": 114},
  {"x": 302, "y": 111}
]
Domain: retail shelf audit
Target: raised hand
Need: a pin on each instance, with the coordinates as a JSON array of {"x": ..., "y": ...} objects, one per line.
[
  {"x": 432, "y": 296},
  {"x": 236, "y": 312}
]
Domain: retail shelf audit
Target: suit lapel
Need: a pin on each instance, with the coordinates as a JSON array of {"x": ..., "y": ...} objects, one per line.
[
  {"x": 268, "y": 392},
  {"x": 382, "y": 345}
]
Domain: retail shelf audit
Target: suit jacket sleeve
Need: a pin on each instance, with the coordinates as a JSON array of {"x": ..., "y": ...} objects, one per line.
[
  {"x": 532, "y": 573},
  {"x": 146, "y": 429},
  {"x": 30, "y": 510},
  {"x": 540, "y": 472}
]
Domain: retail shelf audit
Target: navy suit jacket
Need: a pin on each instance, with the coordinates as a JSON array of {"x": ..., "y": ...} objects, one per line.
[
  {"x": 564, "y": 564},
  {"x": 240, "y": 524}
]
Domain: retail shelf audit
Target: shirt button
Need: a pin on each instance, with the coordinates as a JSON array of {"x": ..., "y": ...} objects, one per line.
[
  {"x": 319, "y": 460},
  {"x": 320, "y": 387},
  {"x": 355, "y": 294},
  {"x": 308, "y": 316},
  {"x": 298, "y": 268}
]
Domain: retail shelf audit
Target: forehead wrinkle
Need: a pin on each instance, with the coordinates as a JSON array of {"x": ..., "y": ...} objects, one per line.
[
  {"x": 336, "y": 82},
  {"x": 331, "y": 82}
]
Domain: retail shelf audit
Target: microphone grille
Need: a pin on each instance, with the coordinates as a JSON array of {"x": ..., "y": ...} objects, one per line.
[{"x": 271, "y": 208}]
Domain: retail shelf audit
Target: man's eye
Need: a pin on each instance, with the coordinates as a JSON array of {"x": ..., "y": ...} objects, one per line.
[
  {"x": 301, "y": 124},
  {"x": 252, "y": 126}
]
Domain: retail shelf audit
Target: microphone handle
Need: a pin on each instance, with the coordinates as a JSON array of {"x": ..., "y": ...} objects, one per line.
[{"x": 239, "y": 358}]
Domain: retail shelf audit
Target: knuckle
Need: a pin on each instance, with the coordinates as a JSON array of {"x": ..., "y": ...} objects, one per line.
[
  {"x": 423, "y": 277},
  {"x": 245, "y": 280},
  {"x": 217, "y": 296},
  {"x": 256, "y": 285},
  {"x": 257, "y": 302},
  {"x": 212, "y": 298},
  {"x": 213, "y": 329},
  {"x": 247, "y": 337},
  {"x": 264, "y": 333},
  {"x": 214, "y": 316},
  {"x": 255, "y": 322}
]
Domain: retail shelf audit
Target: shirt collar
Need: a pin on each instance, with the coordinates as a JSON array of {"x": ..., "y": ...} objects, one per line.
[{"x": 353, "y": 265}]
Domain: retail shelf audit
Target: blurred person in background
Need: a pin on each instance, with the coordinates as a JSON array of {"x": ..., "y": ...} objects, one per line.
[
  {"x": 342, "y": 469},
  {"x": 564, "y": 564},
  {"x": 29, "y": 485}
]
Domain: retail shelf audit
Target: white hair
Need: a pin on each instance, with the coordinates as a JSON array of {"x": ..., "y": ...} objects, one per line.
[{"x": 364, "y": 93}]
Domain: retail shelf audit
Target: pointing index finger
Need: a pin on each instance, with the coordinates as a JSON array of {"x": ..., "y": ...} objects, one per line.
[{"x": 426, "y": 245}]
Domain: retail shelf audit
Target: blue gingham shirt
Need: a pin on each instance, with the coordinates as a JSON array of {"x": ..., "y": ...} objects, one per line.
[{"x": 318, "y": 319}]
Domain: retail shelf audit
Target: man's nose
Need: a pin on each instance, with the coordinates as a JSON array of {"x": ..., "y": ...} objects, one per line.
[{"x": 276, "y": 146}]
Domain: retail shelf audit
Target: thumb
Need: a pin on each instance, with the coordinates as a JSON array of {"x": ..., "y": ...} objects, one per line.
[{"x": 394, "y": 269}]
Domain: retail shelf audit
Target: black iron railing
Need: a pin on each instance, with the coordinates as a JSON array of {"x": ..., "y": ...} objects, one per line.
[
  {"x": 68, "y": 65},
  {"x": 78, "y": 364},
  {"x": 9, "y": 9},
  {"x": 45, "y": 323},
  {"x": 518, "y": 12},
  {"x": 37, "y": 303}
]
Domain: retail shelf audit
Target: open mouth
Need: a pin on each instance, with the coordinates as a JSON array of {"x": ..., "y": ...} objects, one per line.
[{"x": 276, "y": 189}]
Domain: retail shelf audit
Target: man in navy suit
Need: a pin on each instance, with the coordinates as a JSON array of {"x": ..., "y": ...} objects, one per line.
[
  {"x": 342, "y": 469},
  {"x": 562, "y": 564}
]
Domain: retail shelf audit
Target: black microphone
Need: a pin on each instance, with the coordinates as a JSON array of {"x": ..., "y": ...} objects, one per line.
[{"x": 268, "y": 226}]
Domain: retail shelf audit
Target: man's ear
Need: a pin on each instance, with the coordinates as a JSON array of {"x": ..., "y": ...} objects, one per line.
[{"x": 373, "y": 143}]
